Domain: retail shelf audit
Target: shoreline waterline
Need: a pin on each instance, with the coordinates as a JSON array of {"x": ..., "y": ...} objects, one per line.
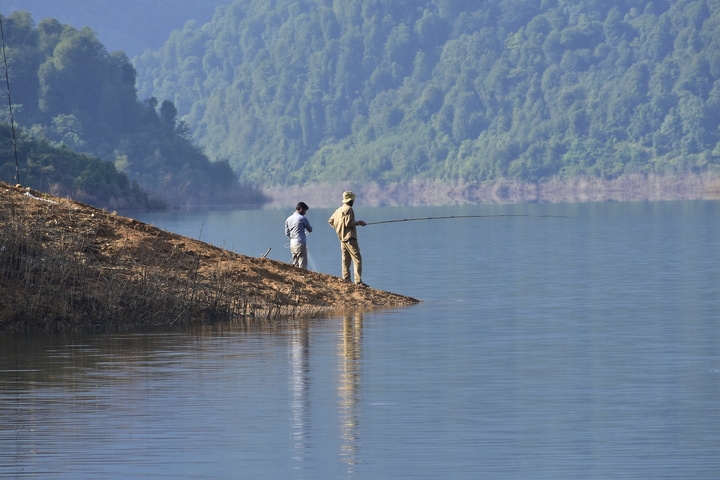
[{"x": 635, "y": 187}]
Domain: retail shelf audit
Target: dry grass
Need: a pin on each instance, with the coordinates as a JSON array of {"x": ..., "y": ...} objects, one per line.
[{"x": 60, "y": 281}]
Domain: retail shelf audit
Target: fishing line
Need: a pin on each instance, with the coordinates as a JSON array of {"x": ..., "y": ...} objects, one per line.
[
  {"x": 12, "y": 122},
  {"x": 462, "y": 216}
]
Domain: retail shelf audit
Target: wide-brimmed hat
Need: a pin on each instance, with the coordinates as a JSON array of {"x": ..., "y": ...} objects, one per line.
[{"x": 348, "y": 196}]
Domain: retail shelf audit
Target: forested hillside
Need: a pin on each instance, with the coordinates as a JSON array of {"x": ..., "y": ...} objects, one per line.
[
  {"x": 303, "y": 91},
  {"x": 132, "y": 26},
  {"x": 60, "y": 171},
  {"x": 70, "y": 92}
]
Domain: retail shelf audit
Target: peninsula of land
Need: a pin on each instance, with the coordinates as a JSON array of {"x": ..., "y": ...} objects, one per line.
[{"x": 65, "y": 265}]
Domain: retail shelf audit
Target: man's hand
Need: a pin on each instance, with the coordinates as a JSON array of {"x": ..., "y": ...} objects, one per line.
[{"x": 361, "y": 223}]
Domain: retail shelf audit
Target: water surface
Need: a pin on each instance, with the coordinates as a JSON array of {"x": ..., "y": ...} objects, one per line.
[{"x": 545, "y": 348}]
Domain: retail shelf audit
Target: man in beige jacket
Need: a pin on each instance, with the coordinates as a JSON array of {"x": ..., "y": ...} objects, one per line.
[{"x": 343, "y": 221}]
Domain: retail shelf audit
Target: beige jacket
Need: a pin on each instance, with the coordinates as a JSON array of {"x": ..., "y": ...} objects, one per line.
[{"x": 343, "y": 221}]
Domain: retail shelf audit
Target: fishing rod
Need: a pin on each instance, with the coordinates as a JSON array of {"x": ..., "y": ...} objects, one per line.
[
  {"x": 462, "y": 216},
  {"x": 12, "y": 122}
]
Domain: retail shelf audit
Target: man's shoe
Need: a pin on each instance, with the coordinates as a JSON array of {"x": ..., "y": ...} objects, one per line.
[{"x": 361, "y": 284}]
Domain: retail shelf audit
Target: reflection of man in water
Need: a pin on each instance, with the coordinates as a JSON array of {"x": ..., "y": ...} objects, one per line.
[
  {"x": 349, "y": 388},
  {"x": 343, "y": 221},
  {"x": 295, "y": 227}
]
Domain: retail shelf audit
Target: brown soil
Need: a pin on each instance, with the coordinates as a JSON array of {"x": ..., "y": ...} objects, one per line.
[{"x": 68, "y": 265}]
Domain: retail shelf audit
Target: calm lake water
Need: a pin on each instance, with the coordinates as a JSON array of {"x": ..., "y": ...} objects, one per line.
[{"x": 545, "y": 348}]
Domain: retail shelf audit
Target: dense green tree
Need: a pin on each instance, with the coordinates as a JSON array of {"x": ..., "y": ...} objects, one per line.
[
  {"x": 61, "y": 171},
  {"x": 168, "y": 114}
]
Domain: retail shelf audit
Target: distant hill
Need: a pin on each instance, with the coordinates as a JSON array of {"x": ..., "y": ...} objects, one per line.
[
  {"x": 295, "y": 92},
  {"x": 132, "y": 26},
  {"x": 71, "y": 94}
]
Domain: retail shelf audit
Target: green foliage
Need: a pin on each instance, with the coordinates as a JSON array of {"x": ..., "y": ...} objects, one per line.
[
  {"x": 66, "y": 173},
  {"x": 294, "y": 92},
  {"x": 72, "y": 94},
  {"x": 129, "y": 25}
]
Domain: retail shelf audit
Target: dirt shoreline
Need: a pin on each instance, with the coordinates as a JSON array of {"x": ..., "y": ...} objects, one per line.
[
  {"x": 631, "y": 188},
  {"x": 65, "y": 265}
]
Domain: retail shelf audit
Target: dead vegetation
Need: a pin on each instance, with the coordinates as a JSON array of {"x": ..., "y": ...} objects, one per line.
[{"x": 66, "y": 266}]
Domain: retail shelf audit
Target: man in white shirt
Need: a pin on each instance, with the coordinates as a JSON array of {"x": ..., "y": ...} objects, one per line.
[{"x": 295, "y": 227}]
